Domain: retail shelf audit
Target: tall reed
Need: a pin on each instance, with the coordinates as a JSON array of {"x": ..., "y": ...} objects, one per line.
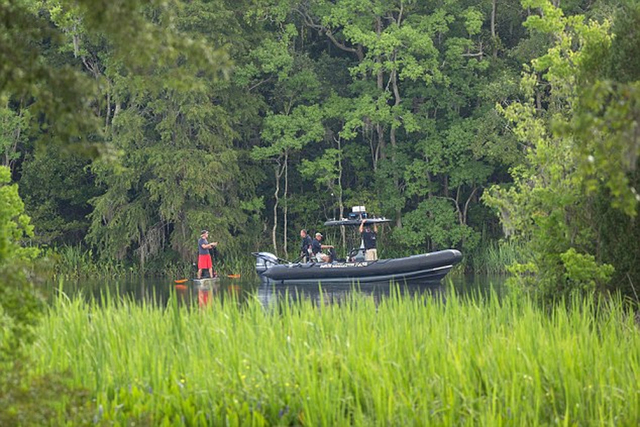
[
  {"x": 77, "y": 261},
  {"x": 495, "y": 256},
  {"x": 74, "y": 262},
  {"x": 402, "y": 361}
]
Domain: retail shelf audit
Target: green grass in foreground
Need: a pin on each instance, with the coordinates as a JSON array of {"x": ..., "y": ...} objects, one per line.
[{"x": 402, "y": 362}]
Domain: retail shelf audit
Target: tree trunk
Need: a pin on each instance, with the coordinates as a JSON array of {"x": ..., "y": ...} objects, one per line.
[
  {"x": 493, "y": 28},
  {"x": 466, "y": 205},
  {"x": 394, "y": 142},
  {"x": 445, "y": 188},
  {"x": 340, "y": 195},
  {"x": 275, "y": 208},
  {"x": 380, "y": 85},
  {"x": 108, "y": 112},
  {"x": 285, "y": 211}
]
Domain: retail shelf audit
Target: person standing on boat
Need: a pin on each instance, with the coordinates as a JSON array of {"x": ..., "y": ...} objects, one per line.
[
  {"x": 317, "y": 247},
  {"x": 204, "y": 257},
  {"x": 305, "y": 249},
  {"x": 369, "y": 240}
]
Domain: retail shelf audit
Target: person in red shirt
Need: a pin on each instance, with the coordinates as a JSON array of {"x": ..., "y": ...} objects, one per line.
[{"x": 204, "y": 257}]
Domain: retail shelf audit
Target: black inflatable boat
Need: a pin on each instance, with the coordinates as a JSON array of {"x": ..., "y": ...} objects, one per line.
[{"x": 430, "y": 267}]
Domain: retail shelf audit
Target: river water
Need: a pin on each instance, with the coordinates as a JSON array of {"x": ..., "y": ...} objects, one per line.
[{"x": 158, "y": 290}]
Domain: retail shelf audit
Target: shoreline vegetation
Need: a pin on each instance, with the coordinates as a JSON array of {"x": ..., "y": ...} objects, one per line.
[
  {"x": 77, "y": 262},
  {"x": 400, "y": 361}
]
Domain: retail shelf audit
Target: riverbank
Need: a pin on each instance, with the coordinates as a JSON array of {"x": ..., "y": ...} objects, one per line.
[{"x": 399, "y": 361}]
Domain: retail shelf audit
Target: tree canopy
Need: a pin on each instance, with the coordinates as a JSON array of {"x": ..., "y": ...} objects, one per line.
[{"x": 130, "y": 126}]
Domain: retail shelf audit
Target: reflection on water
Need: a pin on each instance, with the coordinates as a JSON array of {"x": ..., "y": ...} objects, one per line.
[
  {"x": 270, "y": 294},
  {"x": 157, "y": 291},
  {"x": 482, "y": 285},
  {"x": 153, "y": 291}
]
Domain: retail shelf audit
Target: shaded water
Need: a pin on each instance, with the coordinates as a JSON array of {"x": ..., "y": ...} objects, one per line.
[{"x": 158, "y": 290}]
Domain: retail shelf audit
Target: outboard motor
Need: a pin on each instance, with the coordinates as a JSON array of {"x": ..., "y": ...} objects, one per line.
[{"x": 264, "y": 261}]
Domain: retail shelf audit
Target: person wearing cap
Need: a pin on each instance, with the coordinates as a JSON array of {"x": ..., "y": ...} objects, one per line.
[
  {"x": 204, "y": 257},
  {"x": 317, "y": 247},
  {"x": 369, "y": 240}
]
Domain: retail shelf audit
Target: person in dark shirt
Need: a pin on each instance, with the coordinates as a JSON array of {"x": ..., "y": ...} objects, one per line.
[
  {"x": 317, "y": 247},
  {"x": 369, "y": 239},
  {"x": 305, "y": 249},
  {"x": 204, "y": 257}
]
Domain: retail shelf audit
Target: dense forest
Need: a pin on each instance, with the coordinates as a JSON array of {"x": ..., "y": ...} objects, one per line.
[
  {"x": 508, "y": 129},
  {"x": 470, "y": 123}
]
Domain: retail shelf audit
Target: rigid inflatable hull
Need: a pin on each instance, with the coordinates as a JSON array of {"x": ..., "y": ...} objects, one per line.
[{"x": 431, "y": 267}]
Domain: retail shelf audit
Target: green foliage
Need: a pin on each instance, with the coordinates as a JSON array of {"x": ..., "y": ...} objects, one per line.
[
  {"x": 60, "y": 91},
  {"x": 436, "y": 219},
  {"x": 494, "y": 257},
  {"x": 19, "y": 307},
  {"x": 577, "y": 274},
  {"x": 175, "y": 174},
  {"x": 605, "y": 123},
  {"x": 583, "y": 273},
  {"x": 290, "y": 132},
  {"x": 361, "y": 362},
  {"x": 13, "y": 133},
  {"x": 611, "y": 146},
  {"x": 14, "y": 223},
  {"x": 329, "y": 104},
  {"x": 176, "y": 168},
  {"x": 56, "y": 186},
  {"x": 46, "y": 400},
  {"x": 606, "y": 110},
  {"x": 76, "y": 262},
  {"x": 576, "y": 155}
]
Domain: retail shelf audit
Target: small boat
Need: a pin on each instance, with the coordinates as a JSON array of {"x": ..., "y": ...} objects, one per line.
[
  {"x": 424, "y": 268},
  {"x": 427, "y": 268}
]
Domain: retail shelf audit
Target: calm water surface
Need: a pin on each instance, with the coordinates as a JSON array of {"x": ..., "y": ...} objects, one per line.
[{"x": 158, "y": 290}]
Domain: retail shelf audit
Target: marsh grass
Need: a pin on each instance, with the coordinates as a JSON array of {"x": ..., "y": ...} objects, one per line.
[
  {"x": 77, "y": 262},
  {"x": 235, "y": 262},
  {"x": 495, "y": 256},
  {"x": 73, "y": 262},
  {"x": 399, "y": 361}
]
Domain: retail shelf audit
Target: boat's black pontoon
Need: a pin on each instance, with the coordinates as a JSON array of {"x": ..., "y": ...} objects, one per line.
[{"x": 430, "y": 267}]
